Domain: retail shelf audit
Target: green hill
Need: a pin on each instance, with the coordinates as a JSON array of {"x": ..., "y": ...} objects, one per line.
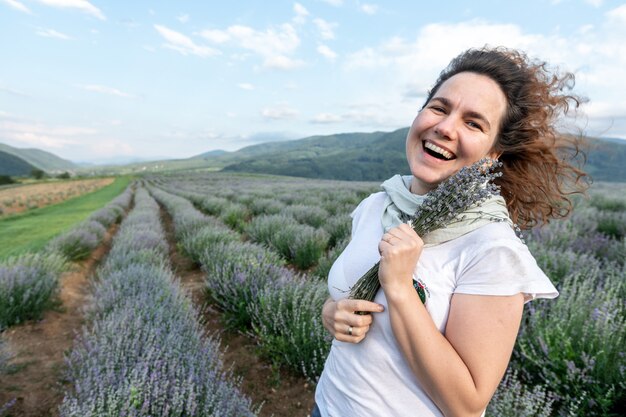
[
  {"x": 350, "y": 156},
  {"x": 43, "y": 160},
  {"x": 377, "y": 156},
  {"x": 13, "y": 166},
  {"x": 606, "y": 160}
]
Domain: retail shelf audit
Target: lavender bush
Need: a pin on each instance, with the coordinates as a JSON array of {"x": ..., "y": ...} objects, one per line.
[
  {"x": 195, "y": 243},
  {"x": 108, "y": 215},
  {"x": 114, "y": 211},
  {"x": 338, "y": 228},
  {"x": 214, "y": 205},
  {"x": 236, "y": 216},
  {"x": 312, "y": 215},
  {"x": 300, "y": 244},
  {"x": 326, "y": 262},
  {"x": 29, "y": 285},
  {"x": 77, "y": 243},
  {"x": 264, "y": 205},
  {"x": 288, "y": 326},
  {"x": 145, "y": 353},
  {"x": 235, "y": 273},
  {"x": 575, "y": 344},
  {"x": 513, "y": 399}
]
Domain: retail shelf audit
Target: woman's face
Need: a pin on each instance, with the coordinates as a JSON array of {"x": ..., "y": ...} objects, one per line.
[{"x": 456, "y": 128}]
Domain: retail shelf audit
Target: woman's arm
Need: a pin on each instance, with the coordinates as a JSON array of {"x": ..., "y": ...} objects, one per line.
[{"x": 461, "y": 370}]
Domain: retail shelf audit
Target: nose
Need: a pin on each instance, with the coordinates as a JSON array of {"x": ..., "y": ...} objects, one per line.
[{"x": 446, "y": 128}]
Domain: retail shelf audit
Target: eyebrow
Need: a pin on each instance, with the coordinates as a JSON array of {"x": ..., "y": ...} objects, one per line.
[{"x": 472, "y": 114}]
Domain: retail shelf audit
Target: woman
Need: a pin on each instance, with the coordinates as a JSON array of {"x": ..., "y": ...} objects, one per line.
[{"x": 447, "y": 356}]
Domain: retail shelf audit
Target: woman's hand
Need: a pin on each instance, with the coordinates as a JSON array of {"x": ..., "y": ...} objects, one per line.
[
  {"x": 341, "y": 320},
  {"x": 399, "y": 248}
]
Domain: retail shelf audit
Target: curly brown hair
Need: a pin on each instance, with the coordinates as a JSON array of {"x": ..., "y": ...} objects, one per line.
[{"x": 540, "y": 166}]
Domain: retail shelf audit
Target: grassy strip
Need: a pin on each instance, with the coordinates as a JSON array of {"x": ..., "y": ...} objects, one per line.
[{"x": 31, "y": 230}]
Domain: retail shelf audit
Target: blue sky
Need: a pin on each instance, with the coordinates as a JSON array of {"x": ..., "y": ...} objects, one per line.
[{"x": 95, "y": 80}]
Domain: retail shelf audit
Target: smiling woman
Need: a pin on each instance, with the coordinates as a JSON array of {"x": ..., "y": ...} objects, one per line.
[{"x": 440, "y": 331}]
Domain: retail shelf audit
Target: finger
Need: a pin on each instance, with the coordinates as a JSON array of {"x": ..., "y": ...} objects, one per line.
[{"x": 359, "y": 305}]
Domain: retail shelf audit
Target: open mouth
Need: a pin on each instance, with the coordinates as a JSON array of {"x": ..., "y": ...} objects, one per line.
[{"x": 438, "y": 152}]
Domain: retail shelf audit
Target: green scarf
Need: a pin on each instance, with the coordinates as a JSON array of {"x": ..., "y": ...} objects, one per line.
[{"x": 400, "y": 200}]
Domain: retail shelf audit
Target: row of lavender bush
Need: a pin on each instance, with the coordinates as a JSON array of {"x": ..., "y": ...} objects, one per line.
[
  {"x": 574, "y": 345},
  {"x": 29, "y": 283},
  {"x": 569, "y": 359},
  {"x": 83, "y": 238},
  {"x": 254, "y": 289},
  {"x": 145, "y": 353},
  {"x": 304, "y": 223}
]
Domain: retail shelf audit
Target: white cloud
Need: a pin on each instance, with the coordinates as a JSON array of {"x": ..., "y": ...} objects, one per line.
[
  {"x": 106, "y": 90},
  {"x": 215, "y": 35},
  {"x": 51, "y": 33},
  {"x": 326, "y": 29},
  {"x": 17, "y": 5},
  {"x": 618, "y": 14},
  {"x": 245, "y": 86},
  {"x": 279, "y": 113},
  {"x": 326, "y": 118},
  {"x": 183, "y": 18},
  {"x": 41, "y": 135},
  {"x": 370, "y": 9},
  {"x": 82, "y": 5},
  {"x": 274, "y": 45},
  {"x": 327, "y": 52},
  {"x": 595, "y": 3},
  {"x": 183, "y": 44},
  {"x": 335, "y": 3},
  {"x": 282, "y": 62},
  {"x": 301, "y": 13},
  {"x": 405, "y": 68}
]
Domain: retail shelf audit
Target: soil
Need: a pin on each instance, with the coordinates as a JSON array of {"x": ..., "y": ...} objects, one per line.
[
  {"x": 38, "y": 347},
  {"x": 18, "y": 199},
  {"x": 281, "y": 393}
]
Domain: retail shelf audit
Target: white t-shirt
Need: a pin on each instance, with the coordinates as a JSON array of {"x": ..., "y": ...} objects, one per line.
[{"x": 372, "y": 378}]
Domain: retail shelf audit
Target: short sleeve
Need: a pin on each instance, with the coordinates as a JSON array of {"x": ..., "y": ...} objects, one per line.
[{"x": 504, "y": 267}]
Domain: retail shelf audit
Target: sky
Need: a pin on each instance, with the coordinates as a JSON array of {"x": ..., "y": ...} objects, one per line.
[{"x": 101, "y": 81}]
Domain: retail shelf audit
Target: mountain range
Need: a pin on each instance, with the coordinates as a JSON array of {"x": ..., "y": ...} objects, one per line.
[
  {"x": 21, "y": 161},
  {"x": 369, "y": 156}
]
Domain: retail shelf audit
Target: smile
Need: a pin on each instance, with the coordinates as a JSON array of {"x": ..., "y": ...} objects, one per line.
[{"x": 438, "y": 152}]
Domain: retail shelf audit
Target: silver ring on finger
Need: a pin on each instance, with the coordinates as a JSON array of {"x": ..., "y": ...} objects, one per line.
[{"x": 349, "y": 330}]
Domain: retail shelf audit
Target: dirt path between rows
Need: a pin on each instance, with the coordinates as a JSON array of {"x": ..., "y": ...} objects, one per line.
[
  {"x": 282, "y": 394},
  {"x": 38, "y": 348}
]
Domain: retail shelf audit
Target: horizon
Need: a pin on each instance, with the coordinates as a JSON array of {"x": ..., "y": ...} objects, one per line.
[{"x": 91, "y": 81}]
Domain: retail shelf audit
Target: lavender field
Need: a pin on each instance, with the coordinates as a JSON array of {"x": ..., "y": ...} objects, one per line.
[{"x": 265, "y": 245}]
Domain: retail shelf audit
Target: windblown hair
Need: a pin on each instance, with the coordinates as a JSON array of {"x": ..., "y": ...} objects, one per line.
[{"x": 540, "y": 165}]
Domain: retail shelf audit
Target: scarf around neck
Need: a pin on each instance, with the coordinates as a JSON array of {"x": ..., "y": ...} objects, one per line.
[{"x": 401, "y": 202}]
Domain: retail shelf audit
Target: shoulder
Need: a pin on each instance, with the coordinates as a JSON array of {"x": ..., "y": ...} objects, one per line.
[
  {"x": 369, "y": 208},
  {"x": 370, "y": 203},
  {"x": 497, "y": 262}
]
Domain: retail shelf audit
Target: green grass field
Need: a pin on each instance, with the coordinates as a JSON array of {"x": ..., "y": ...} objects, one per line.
[{"x": 30, "y": 231}]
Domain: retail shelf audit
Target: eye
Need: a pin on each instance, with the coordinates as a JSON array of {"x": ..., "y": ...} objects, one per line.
[
  {"x": 475, "y": 125},
  {"x": 437, "y": 108}
]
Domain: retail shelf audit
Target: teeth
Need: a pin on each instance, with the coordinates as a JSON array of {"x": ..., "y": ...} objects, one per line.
[{"x": 439, "y": 150}]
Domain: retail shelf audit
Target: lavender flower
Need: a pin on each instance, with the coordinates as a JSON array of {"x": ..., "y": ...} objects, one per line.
[{"x": 442, "y": 207}]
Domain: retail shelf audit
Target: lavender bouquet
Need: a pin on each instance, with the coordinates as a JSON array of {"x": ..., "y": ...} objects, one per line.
[{"x": 446, "y": 205}]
